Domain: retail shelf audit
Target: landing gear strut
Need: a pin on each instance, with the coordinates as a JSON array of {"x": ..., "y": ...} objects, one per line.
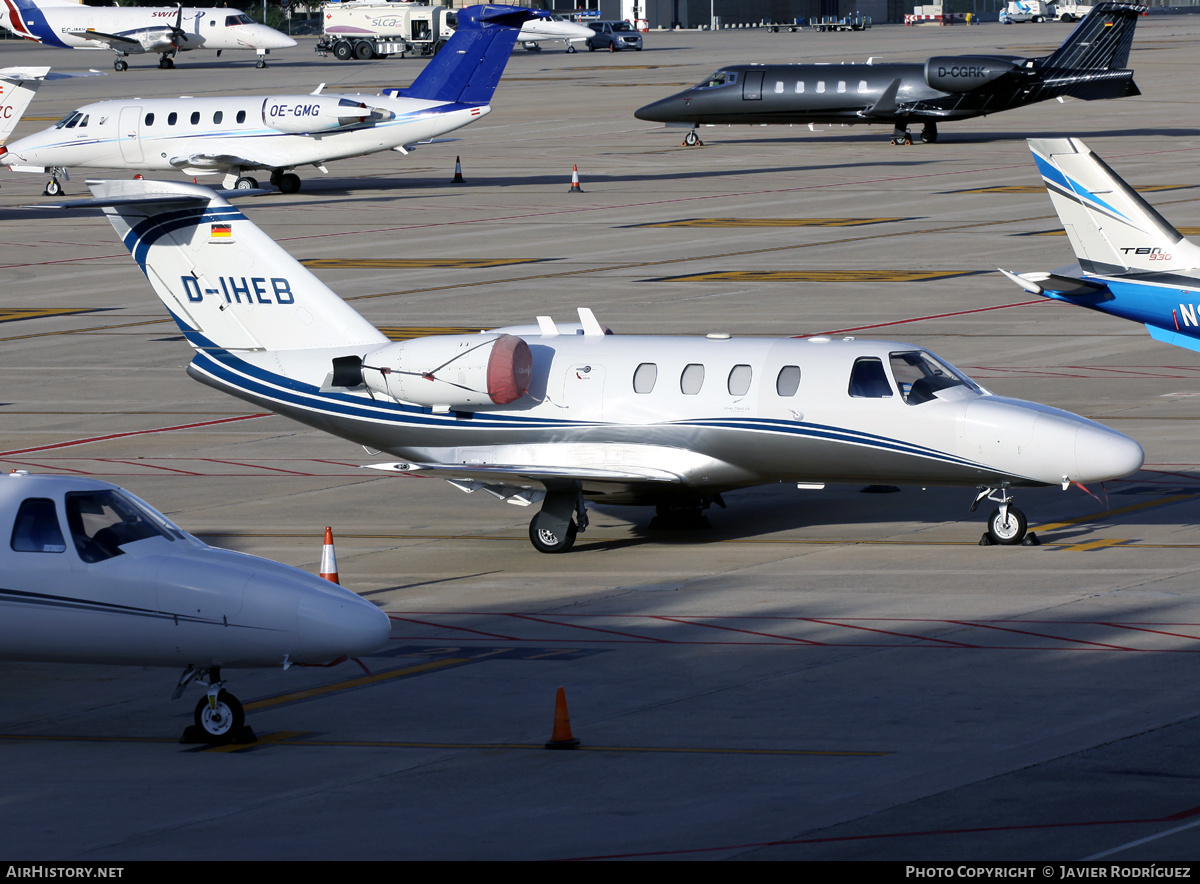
[
  {"x": 562, "y": 517},
  {"x": 1007, "y": 525},
  {"x": 900, "y": 135},
  {"x": 219, "y": 717},
  {"x": 692, "y": 139}
]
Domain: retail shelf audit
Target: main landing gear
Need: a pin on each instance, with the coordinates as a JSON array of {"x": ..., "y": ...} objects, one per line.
[
  {"x": 287, "y": 182},
  {"x": 929, "y": 133},
  {"x": 219, "y": 717},
  {"x": 562, "y": 517},
  {"x": 692, "y": 139},
  {"x": 166, "y": 61},
  {"x": 901, "y": 135},
  {"x": 120, "y": 64},
  {"x": 1007, "y": 525}
]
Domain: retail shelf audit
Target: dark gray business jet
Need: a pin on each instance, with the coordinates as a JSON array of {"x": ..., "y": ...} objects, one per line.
[{"x": 1090, "y": 65}]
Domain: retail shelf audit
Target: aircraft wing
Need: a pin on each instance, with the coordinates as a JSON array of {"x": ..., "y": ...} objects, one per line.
[
  {"x": 201, "y": 161},
  {"x": 149, "y": 40},
  {"x": 529, "y": 475}
]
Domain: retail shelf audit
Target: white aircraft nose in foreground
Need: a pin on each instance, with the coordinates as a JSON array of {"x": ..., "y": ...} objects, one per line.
[
  {"x": 92, "y": 574},
  {"x": 133, "y": 30},
  {"x": 565, "y": 414}
]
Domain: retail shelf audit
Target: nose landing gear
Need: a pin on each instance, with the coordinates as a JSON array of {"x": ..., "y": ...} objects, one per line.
[
  {"x": 1007, "y": 525},
  {"x": 219, "y": 717}
]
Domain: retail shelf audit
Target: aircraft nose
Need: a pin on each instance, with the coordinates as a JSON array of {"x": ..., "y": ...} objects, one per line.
[
  {"x": 269, "y": 38},
  {"x": 1102, "y": 454},
  {"x": 665, "y": 110},
  {"x": 334, "y": 622}
]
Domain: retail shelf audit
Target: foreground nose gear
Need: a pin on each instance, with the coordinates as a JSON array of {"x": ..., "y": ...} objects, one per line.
[{"x": 1007, "y": 525}]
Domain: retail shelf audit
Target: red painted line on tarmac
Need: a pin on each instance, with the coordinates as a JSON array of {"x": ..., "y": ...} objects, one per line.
[
  {"x": 149, "y": 466},
  {"x": 43, "y": 466},
  {"x": 506, "y": 638},
  {"x": 236, "y": 463},
  {"x": 1155, "y": 631},
  {"x": 644, "y": 638},
  {"x": 1057, "y": 638},
  {"x": 839, "y": 331},
  {"x": 1175, "y": 817},
  {"x": 223, "y": 420},
  {"x": 924, "y": 638},
  {"x": 786, "y": 638}
]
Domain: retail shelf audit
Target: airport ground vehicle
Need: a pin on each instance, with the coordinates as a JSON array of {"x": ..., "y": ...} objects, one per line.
[
  {"x": 614, "y": 36},
  {"x": 1026, "y": 10},
  {"x": 1069, "y": 12},
  {"x": 362, "y": 30}
]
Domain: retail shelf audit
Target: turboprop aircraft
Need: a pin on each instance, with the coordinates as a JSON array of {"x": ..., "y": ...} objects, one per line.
[
  {"x": 1132, "y": 263},
  {"x": 235, "y": 135},
  {"x": 1090, "y": 65},
  {"x": 92, "y": 574},
  {"x": 133, "y": 30},
  {"x": 569, "y": 413}
]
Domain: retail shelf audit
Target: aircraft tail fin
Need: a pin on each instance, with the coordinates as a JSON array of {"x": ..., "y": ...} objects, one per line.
[
  {"x": 226, "y": 283},
  {"x": 17, "y": 87},
  {"x": 1100, "y": 41},
  {"x": 469, "y": 66},
  {"x": 1111, "y": 228}
]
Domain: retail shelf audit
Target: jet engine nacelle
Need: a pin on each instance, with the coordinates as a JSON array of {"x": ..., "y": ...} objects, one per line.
[
  {"x": 299, "y": 114},
  {"x": 964, "y": 73},
  {"x": 452, "y": 371}
]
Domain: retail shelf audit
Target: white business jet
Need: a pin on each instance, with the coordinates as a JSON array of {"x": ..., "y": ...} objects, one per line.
[
  {"x": 133, "y": 30},
  {"x": 569, "y": 413},
  {"x": 238, "y": 134},
  {"x": 537, "y": 31},
  {"x": 92, "y": 574}
]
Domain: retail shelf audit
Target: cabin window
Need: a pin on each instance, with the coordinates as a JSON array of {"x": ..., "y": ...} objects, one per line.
[
  {"x": 36, "y": 528},
  {"x": 920, "y": 375},
  {"x": 787, "y": 382},
  {"x": 217, "y": 117},
  {"x": 149, "y": 119},
  {"x": 868, "y": 379},
  {"x": 778, "y": 86},
  {"x": 241, "y": 116},
  {"x": 172, "y": 118},
  {"x": 799, "y": 85},
  {"x": 862, "y": 86},
  {"x": 841, "y": 85},
  {"x": 739, "y": 380},
  {"x": 195, "y": 117},
  {"x": 820, "y": 85},
  {"x": 644, "y": 377},
  {"x": 101, "y": 522},
  {"x": 692, "y": 379}
]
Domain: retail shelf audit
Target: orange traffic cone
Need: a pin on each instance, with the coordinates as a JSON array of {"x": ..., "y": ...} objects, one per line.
[
  {"x": 575, "y": 188},
  {"x": 561, "y": 737},
  {"x": 458, "y": 178},
  {"x": 329, "y": 559}
]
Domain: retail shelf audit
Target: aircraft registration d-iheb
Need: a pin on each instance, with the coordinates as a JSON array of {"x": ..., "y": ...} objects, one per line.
[
  {"x": 568, "y": 413},
  {"x": 133, "y": 30},
  {"x": 234, "y": 135},
  {"x": 1090, "y": 65},
  {"x": 1131, "y": 262},
  {"x": 92, "y": 574}
]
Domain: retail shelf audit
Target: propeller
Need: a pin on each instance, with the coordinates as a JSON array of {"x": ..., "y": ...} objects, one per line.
[{"x": 178, "y": 35}]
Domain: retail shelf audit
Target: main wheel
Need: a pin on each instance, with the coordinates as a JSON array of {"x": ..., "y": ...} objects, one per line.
[
  {"x": 342, "y": 50},
  {"x": 545, "y": 540},
  {"x": 929, "y": 134},
  {"x": 1010, "y": 531},
  {"x": 246, "y": 183},
  {"x": 288, "y": 182},
  {"x": 53, "y": 188},
  {"x": 223, "y": 720},
  {"x": 120, "y": 65}
]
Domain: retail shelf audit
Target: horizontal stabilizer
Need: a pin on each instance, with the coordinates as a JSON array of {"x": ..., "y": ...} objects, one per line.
[
  {"x": 227, "y": 284},
  {"x": 1174, "y": 338},
  {"x": 1111, "y": 228},
  {"x": 1053, "y": 285}
]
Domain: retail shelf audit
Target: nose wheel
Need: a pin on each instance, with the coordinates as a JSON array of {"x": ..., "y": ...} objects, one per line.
[
  {"x": 219, "y": 717},
  {"x": 1007, "y": 525},
  {"x": 692, "y": 139}
]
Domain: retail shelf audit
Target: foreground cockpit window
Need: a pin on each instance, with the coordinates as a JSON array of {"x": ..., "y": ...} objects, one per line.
[
  {"x": 720, "y": 78},
  {"x": 920, "y": 375},
  {"x": 69, "y": 121},
  {"x": 868, "y": 380},
  {"x": 36, "y": 528},
  {"x": 231, "y": 20},
  {"x": 101, "y": 522}
]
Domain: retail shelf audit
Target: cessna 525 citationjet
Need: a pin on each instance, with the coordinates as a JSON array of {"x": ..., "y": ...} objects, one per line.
[
  {"x": 1090, "y": 65},
  {"x": 234, "y": 135},
  {"x": 91, "y": 574},
  {"x": 567, "y": 414},
  {"x": 133, "y": 30}
]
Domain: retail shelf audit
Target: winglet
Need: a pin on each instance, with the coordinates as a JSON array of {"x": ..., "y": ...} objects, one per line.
[{"x": 886, "y": 105}]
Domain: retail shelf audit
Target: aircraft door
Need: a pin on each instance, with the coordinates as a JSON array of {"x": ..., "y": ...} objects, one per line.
[
  {"x": 752, "y": 85},
  {"x": 583, "y": 392},
  {"x": 129, "y": 134}
]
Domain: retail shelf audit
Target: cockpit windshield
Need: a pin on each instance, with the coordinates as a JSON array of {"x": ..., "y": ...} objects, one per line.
[
  {"x": 242, "y": 19},
  {"x": 920, "y": 375},
  {"x": 101, "y": 522},
  {"x": 70, "y": 121},
  {"x": 720, "y": 78}
]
